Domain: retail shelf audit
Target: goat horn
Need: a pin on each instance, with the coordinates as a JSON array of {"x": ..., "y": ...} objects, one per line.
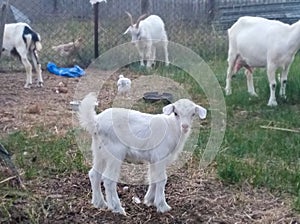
[
  {"x": 130, "y": 17},
  {"x": 139, "y": 19}
]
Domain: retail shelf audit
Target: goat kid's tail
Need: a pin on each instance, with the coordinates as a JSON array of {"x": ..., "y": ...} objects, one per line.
[{"x": 87, "y": 113}]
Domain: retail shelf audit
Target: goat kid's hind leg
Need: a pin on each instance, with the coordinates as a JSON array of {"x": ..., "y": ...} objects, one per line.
[
  {"x": 38, "y": 69},
  {"x": 112, "y": 198},
  {"x": 110, "y": 177},
  {"x": 97, "y": 196}
]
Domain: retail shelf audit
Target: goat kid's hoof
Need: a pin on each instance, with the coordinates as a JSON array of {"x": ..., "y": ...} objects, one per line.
[
  {"x": 120, "y": 211},
  {"x": 148, "y": 203},
  {"x": 163, "y": 208},
  {"x": 102, "y": 205}
]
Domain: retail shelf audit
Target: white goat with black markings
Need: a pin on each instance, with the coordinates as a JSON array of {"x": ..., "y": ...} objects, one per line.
[
  {"x": 147, "y": 33},
  {"x": 259, "y": 42},
  {"x": 119, "y": 134},
  {"x": 21, "y": 41}
]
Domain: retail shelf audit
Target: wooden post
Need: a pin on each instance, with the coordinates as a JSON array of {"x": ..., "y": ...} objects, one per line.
[
  {"x": 3, "y": 14},
  {"x": 211, "y": 10},
  {"x": 96, "y": 29},
  {"x": 145, "y": 7}
]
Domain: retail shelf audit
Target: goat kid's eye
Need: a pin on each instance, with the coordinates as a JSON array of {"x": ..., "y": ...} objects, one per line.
[{"x": 176, "y": 115}]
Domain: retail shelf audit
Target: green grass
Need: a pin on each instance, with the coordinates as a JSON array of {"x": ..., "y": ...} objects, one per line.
[
  {"x": 44, "y": 154},
  {"x": 249, "y": 153},
  {"x": 263, "y": 157}
]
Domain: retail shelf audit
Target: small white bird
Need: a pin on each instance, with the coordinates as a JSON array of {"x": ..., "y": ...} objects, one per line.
[{"x": 124, "y": 85}]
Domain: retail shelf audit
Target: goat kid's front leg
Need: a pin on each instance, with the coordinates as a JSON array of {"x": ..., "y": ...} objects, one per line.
[
  {"x": 150, "y": 195},
  {"x": 158, "y": 180},
  {"x": 160, "y": 199}
]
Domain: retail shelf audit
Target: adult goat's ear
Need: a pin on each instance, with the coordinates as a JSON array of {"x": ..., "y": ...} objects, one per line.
[
  {"x": 202, "y": 112},
  {"x": 168, "y": 109},
  {"x": 128, "y": 29}
]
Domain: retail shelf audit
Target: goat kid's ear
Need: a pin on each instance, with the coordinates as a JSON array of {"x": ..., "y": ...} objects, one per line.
[
  {"x": 167, "y": 110},
  {"x": 128, "y": 29},
  {"x": 202, "y": 112}
]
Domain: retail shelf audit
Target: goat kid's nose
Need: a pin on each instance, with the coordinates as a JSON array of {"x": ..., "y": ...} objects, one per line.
[{"x": 185, "y": 127}]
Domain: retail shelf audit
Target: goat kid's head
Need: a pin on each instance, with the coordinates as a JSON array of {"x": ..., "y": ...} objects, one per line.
[
  {"x": 184, "y": 111},
  {"x": 134, "y": 29}
]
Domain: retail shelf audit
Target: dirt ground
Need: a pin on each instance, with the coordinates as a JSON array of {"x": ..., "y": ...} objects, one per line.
[{"x": 195, "y": 195}]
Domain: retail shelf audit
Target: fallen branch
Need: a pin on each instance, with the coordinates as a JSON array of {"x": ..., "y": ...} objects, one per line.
[
  {"x": 7, "y": 179},
  {"x": 280, "y": 129},
  {"x": 5, "y": 156},
  {"x": 13, "y": 177}
]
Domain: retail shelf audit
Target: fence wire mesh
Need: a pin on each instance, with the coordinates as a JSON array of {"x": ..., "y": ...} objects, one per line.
[{"x": 197, "y": 24}]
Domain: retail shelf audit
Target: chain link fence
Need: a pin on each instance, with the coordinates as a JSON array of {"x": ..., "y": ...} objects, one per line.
[{"x": 198, "y": 24}]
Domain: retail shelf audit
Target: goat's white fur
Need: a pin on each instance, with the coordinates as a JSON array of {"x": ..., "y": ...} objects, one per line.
[
  {"x": 19, "y": 39},
  {"x": 259, "y": 42},
  {"x": 119, "y": 133},
  {"x": 147, "y": 34}
]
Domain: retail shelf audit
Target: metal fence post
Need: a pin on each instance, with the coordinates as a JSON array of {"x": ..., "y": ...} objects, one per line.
[
  {"x": 96, "y": 29},
  {"x": 2, "y": 22},
  {"x": 145, "y": 7}
]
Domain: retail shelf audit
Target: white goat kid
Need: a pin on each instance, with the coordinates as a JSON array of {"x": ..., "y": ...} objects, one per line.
[
  {"x": 259, "y": 42},
  {"x": 21, "y": 41},
  {"x": 119, "y": 133},
  {"x": 147, "y": 34}
]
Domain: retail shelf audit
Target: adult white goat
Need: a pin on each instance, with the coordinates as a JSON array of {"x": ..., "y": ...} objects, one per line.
[
  {"x": 259, "y": 42},
  {"x": 147, "y": 34},
  {"x": 21, "y": 41},
  {"x": 119, "y": 133}
]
